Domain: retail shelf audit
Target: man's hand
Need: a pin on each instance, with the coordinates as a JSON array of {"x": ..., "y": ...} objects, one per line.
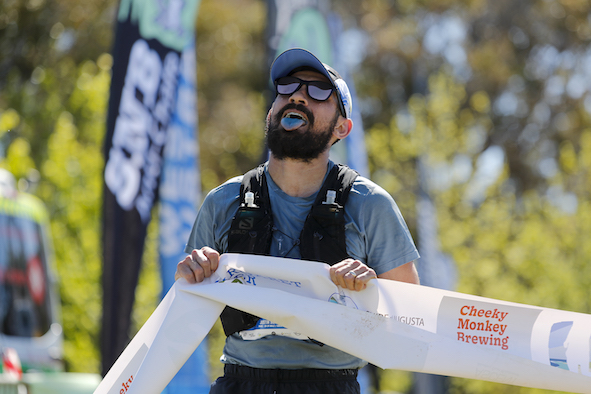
[
  {"x": 197, "y": 266},
  {"x": 351, "y": 274}
]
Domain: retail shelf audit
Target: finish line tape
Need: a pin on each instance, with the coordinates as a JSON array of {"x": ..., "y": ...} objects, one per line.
[{"x": 393, "y": 325}]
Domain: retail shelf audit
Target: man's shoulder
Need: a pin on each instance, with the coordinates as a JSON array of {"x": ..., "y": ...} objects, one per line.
[
  {"x": 364, "y": 187},
  {"x": 227, "y": 190},
  {"x": 230, "y": 188},
  {"x": 232, "y": 182}
]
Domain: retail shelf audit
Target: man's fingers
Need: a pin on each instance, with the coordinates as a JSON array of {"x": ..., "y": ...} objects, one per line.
[
  {"x": 197, "y": 266},
  {"x": 351, "y": 274},
  {"x": 184, "y": 270},
  {"x": 354, "y": 280},
  {"x": 338, "y": 276},
  {"x": 208, "y": 259},
  {"x": 200, "y": 265},
  {"x": 345, "y": 276},
  {"x": 338, "y": 271},
  {"x": 363, "y": 278},
  {"x": 213, "y": 257}
]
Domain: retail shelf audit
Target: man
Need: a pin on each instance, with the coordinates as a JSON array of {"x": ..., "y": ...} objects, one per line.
[{"x": 310, "y": 113}]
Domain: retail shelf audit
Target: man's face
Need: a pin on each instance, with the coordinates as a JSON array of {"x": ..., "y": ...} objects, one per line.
[{"x": 308, "y": 141}]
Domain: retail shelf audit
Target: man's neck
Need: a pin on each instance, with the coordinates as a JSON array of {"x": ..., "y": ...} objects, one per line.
[{"x": 298, "y": 178}]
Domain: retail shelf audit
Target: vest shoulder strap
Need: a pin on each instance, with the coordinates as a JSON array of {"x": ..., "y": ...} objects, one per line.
[
  {"x": 323, "y": 235},
  {"x": 250, "y": 232},
  {"x": 255, "y": 181},
  {"x": 340, "y": 179},
  {"x": 251, "y": 227}
]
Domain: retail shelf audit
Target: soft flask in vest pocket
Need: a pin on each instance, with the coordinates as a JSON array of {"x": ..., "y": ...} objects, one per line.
[
  {"x": 324, "y": 234},
  {"x": 251, "y": 231}
]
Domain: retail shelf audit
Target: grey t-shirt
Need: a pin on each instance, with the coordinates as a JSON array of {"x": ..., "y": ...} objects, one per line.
[{"x": 376, "y": 234}]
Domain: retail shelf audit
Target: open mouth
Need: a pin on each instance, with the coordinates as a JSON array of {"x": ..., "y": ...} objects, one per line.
[{"x": 292, "y": 121}]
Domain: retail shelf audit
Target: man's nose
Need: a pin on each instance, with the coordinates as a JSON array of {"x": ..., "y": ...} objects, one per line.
[{"x": 299, "y": 96}]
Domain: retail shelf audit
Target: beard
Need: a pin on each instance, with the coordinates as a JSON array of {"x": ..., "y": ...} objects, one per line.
[{"x": 297, "y": 145}]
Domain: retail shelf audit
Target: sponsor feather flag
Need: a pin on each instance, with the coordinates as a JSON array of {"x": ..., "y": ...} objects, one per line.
[{"x": 152, "y": 42}]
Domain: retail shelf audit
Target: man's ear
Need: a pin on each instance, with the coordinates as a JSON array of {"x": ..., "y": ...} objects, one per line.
[{"x": 343, "y": 128}]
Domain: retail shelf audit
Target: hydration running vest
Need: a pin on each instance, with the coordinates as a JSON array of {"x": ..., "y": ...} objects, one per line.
[{"x": 322, "y": 237}]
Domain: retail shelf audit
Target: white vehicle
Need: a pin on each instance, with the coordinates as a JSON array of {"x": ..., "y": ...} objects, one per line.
[{"x": 29, "y": 307}]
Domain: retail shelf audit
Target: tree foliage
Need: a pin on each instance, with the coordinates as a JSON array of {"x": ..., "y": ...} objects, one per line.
[
  {"x": 231, "y": 78},
  {"x": 54, "y": 91},
  {"x": 489, "y": 101}
]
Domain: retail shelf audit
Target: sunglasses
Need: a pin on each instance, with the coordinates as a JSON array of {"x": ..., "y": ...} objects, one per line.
[{"x": 318, "y": 90}]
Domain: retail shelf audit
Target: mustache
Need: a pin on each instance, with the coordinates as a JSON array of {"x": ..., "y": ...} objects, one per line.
[{"x": 298, "y": 107}]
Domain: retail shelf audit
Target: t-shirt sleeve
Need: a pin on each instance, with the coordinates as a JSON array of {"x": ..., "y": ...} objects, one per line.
[
  {"x": 214, "y": 218},
  {"x": 384, "y": 241}
]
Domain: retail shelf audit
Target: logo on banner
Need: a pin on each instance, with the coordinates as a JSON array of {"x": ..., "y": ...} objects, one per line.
[
  {"x": 410, "y": 320},
  {"x": 133, "y": 168},
  {"x": 500, "y": 326},
  {"x": 236, "y": 276},
  {"x": 557, "y": 344},
  {"x": 342, "y": 299},
  {"x": 125, "y": 379},
  {"x": 476, "y": 324},
  {"x": 125, "y": 385}
]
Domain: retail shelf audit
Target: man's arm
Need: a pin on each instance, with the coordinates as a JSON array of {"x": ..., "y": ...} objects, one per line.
[{"x": 404, "y": 273}]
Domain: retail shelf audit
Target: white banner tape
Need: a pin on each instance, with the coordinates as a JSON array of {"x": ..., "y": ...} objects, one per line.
[{"x": 391, "y": 324}]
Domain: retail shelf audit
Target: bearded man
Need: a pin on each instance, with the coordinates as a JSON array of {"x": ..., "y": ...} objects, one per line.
[{"x": 299, "y": 204}]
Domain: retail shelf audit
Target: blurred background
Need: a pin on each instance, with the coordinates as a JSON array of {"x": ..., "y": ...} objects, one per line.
[{"x": 476, "y": 118}]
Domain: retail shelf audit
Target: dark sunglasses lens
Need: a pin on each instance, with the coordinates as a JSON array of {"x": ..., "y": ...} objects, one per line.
[
  {"x": 320, "y": 93},
  {"x": 287, "y": 88},
  {"x": 287, "y": 85}
]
